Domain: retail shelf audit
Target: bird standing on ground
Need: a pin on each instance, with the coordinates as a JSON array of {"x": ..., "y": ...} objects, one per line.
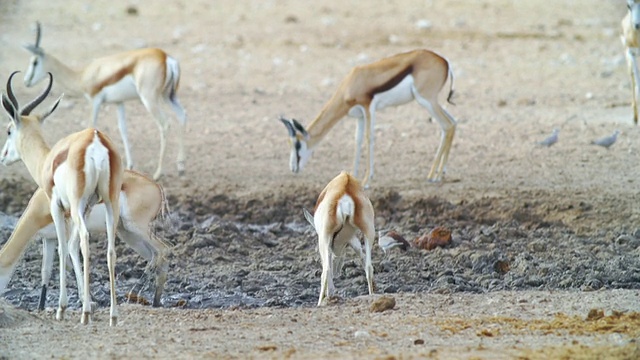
[
  {"x": 390, "y": 240},
  {"x": 552, "y": 139},
  {"x": 607, "y": 141}
]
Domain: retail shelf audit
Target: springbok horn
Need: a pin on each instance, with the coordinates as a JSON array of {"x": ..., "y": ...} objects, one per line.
[{"x": 35, "y": 102}]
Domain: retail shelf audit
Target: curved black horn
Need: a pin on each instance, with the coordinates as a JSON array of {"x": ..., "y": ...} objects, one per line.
[
  {"x": 10, "y": 94},
  {"x": 38, "y": 33},
  {"x": 288, "y": 125},
  {"x": 35, "y": 102}
]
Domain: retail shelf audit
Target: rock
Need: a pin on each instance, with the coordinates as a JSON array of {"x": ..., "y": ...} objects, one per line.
[
  {"x": 537, "y": 246},
  {"x": 383, "y": 303},
  {"x": 438, "y": 236}
]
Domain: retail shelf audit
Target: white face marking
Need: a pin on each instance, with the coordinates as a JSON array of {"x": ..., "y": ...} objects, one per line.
[
  {"x": 10, "y": 153},
  {"x": 300, "y": 155},
  {"x": 35, "y": 73}
]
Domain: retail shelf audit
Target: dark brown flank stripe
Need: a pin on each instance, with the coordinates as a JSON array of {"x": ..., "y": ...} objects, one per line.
[
  {"x": 122, "y": 72},
  {"x": 392, "y": 82}
]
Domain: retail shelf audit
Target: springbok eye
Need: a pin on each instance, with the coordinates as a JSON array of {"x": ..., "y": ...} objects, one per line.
[{"x": 9, "y": 131}]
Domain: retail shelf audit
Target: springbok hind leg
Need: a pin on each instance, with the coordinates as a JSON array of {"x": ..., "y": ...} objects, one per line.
[
  {"x": 153, "y": 106},
  {"x": 122, "y": 126},
  {"x": 58, "y": 219},
  {"x": 182, "y": 120},
  {"x": 112, "y": 214}
]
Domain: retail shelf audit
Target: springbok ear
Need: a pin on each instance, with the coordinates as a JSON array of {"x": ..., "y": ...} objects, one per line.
[
  {"x": 9, "y": 108},
  {"x": 309, "y": 217},
  {"x": 51, "y": 109},
  {"x": 287, "y": 123},
  {"x": 300, "y": 128}
]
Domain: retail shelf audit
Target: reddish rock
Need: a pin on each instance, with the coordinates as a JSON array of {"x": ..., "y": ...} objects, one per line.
[{"x": 439, "y": 236}]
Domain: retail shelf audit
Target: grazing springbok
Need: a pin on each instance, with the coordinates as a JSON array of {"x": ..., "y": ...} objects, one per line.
[
  {"x": 631, "y": 41},
  {"x": 418, "y": 75},
  {"x": 146, "y": 74},
  {"x": 79, "y": 171},
  {"x": 341, "y": 210},
  {"x": 141, "y": 201}
]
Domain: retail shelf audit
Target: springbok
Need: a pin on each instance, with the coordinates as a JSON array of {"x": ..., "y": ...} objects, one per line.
[
  {"x": 417, "y": 75},
  {"x": 141, "y": 201},
  {"x": 342, "y": 209},
  {"x": 631, "y": 41},
  {"x": 146, "y": 74},
  {"x": 79, "y": 171}
]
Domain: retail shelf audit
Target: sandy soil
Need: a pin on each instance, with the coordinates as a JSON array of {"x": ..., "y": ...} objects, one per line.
[{"x": 522, "y": 69}]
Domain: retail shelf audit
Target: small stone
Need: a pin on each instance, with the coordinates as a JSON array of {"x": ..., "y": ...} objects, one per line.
[
  {"x": 383, "y": 303},
  {"x": 132, "y": 10}
]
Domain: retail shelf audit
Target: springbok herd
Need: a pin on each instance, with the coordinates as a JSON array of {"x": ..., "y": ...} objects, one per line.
[{"x": 83, "y": 178}]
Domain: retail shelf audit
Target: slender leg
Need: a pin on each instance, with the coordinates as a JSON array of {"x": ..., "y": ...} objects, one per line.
[
  {"x": 74, "y": 243},
  {"x": 161, "y": 278},
  {"x": 357, "y": 247},
  {"x": 97, "y": 102},
  {"x": 370, "y": 131},
  {"x": 58, "y": 219},
  {"x": 368, "y": 268},
  {"x": 449, "y": 129},
  {"x": 122, "y": 126},
  {"x": 448, "y": 124},
  {"x": 325, "y": 257},
  {"x": 112, "y": 213},
  {"x": 79, "y": 223},
  {"x": 338, "y": 262},
  {"x": 153, "y": 106},
  {"x": 359, "y": 134},
  {"x": 48, "y": 248},
  {"x": 182, "y": 119}
]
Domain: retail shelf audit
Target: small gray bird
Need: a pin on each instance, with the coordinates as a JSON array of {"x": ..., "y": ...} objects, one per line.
[
  {"x": 552, "y": 139},
  {"x": 607, "y": 141},
  {"x": 390, "y": 240}
]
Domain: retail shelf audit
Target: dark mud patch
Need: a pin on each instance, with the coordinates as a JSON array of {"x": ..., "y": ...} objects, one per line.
[{"x": 233, "y": 252}]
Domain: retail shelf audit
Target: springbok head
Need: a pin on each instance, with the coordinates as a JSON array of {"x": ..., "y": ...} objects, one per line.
[
  {"x": 35, "y": 73},
  {"x": 21, "y": 119},
  {"x": 298, "y": 137}
]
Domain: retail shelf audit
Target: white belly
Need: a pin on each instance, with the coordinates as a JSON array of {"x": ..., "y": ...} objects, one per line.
[
  {"x": 95, "y": 224},
  {"x": 123, "y": 90},
  {"x": 398, "y": 95},
  {"x": 96, "y": 221}
]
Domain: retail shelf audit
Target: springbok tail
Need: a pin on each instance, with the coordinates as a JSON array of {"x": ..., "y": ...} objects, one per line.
[
  {"x": 173, "y": 78},
  {"x": 451, "y": 90},
  {"x": 345, "y": 209}
]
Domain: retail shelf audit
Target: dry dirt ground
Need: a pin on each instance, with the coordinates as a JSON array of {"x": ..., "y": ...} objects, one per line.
[{"x": 521, "y": 69}]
